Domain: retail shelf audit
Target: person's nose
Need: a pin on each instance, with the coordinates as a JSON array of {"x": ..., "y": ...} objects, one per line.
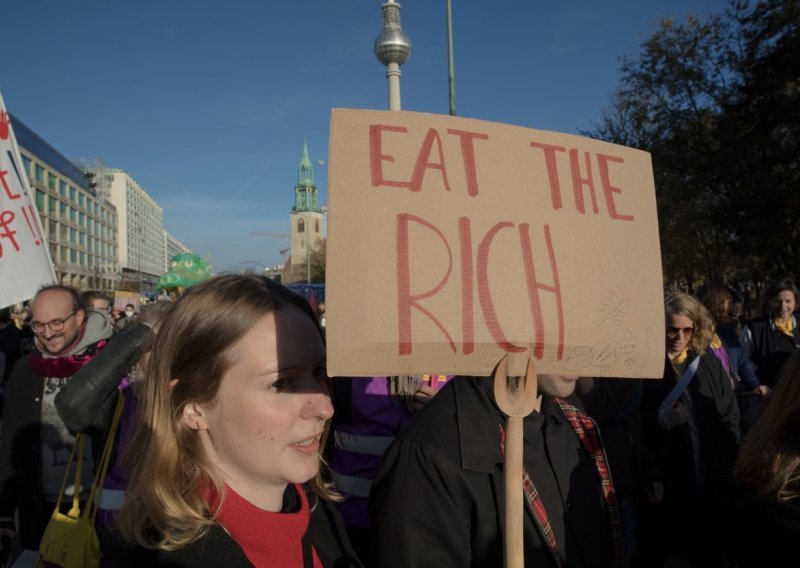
[{"x": 318, "y": 404}]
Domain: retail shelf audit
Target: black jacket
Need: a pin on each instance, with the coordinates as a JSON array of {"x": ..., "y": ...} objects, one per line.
[
  {"x": 217, "y": 548},
  {"x": 771, "y": 348},
  {"x": 717, "y": 414},
  {"x": 438, "y": 497}
]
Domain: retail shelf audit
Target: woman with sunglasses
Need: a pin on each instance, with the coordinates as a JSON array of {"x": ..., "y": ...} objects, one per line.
[{"x": 691, "y": 429}]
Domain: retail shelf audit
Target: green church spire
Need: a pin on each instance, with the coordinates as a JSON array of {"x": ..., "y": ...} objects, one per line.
[{"x": 305, "y": 192}]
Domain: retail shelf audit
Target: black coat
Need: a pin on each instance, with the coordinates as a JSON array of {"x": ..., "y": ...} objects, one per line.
[
  {"x": 217, "y": 548},
  {"x": 771, "y": 348},
  {"x": 717, "y": 414},
  {"x": 438, "y": 497},
  {"x": 21, "y": 453}
]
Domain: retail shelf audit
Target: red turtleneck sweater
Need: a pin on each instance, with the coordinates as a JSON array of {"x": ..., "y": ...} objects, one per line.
[{"x": 268, "y": 539}]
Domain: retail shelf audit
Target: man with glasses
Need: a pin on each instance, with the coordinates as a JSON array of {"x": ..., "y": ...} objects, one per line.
[{"x": 36, "y": 444}]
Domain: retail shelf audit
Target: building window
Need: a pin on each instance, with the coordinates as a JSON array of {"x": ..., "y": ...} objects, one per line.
[
  {"x": 26, "y": 164},
  {"x": 72, "y": 214},
  {"x": 83, "y": 259},
  {"x": 39, "y": 173},
  {"x": 301, "y": 226},
  {"x": 73, "y": 256},
  {"x": 72, "y": 194},
  {"x": 72, "y": 234},
  {"x": 51, "y": 205},
  {"x": 40, "y": 200},
  {"x": 62, "y": 188},
  {"x": 82, "y": 220},
  {"x": 62, "y": 207},
  {"x": 52, "y": 181}
]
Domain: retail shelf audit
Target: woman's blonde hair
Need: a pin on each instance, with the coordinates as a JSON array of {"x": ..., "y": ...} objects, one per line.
[
  {"x": 164, "y": 506},
  {"x": 690, "y": 307},
  {"x": 769, "y": 458}
]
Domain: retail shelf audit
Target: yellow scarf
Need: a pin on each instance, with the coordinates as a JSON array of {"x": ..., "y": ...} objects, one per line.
[
  {"x": 679, "y": 359},
  {"x": 786, "y": 327}
]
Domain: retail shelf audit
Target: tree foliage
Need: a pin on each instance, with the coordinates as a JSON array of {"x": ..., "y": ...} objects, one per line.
[{"x": 715, "y": 101}]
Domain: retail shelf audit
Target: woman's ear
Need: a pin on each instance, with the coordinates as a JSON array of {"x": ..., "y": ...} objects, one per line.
[{"x": 194, "y": 417}]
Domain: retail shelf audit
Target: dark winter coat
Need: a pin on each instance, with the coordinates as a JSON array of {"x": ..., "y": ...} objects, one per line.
[{"x": 438, "y": 497}]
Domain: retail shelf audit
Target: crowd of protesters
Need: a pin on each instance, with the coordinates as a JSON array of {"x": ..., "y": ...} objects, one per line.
[{"x": 224, "y": 456}]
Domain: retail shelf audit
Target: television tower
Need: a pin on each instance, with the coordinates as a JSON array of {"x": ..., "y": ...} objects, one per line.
[{"x": 392, "y": 48}]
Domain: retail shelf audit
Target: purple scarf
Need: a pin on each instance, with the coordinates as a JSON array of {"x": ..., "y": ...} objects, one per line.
[{"x": 63, "y": 366}]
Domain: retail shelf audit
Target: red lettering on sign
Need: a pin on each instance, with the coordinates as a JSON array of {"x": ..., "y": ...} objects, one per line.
[
  {"x": 468, "y": 157},
  {"x": 485, "y": 294},
  {"x": 578, "y": 180},
  {"x": 475, "y": 278},
  {"x": 423, "y": 161},
  {"x": 467, "y": 310},
  {"x": 6, "y": 187},
  {"x": 405, "y": 299},
  {"x": 608, "y": 189},
  {"x": 6, "y": 232},
  {"x": 377, "y": 157},
  {"x": 535, "y": 285},
  {"x": 552, "y": 170}
]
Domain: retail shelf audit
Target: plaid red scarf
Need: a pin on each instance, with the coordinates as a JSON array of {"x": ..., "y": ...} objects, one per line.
[{"x": 588, "y": 435}]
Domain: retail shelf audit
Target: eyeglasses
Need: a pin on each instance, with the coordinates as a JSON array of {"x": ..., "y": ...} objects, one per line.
[
  {"x": 672, "y": 332},
  {"x": 54, "y": 325}
]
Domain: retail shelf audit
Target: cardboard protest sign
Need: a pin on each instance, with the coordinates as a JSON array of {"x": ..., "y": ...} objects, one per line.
[
  {"x": 453, "y": 241},
  {"x": 24, "y": 255}
]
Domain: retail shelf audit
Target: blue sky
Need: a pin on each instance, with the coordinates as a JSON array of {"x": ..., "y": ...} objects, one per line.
[{"x": 206, "y": 104}]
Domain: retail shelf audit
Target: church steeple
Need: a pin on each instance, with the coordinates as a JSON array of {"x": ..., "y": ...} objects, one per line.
[{"x": 305, "y": 192}]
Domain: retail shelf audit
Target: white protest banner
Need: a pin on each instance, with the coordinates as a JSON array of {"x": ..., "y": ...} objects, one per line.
[
  {"x": 24, "y": 255},
  {"x": 454, "y": 241}
]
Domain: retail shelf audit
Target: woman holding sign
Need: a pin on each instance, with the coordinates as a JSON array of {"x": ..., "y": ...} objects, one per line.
[
  {"x": 691, "y": 428},
  {"x": 225, "y": 461}
]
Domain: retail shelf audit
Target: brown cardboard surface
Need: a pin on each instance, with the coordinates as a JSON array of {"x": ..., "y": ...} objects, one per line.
[{"x": 454, "y": 241}]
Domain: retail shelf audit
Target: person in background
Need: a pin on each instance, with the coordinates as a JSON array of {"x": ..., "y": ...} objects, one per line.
[
  {"x": 771, "y": 338},
  {"x": 10, "y": 348},
  {"x": 690, "y": 425},
  {"x": 97, "y": 301},
  {"x": 87, "y": 402},
  {"x": 736, "y": 314},
  {"x": 369, "y": 412},
  {"x": 10, "y": 344},
  {"x": 765, "y": 529},
  {"x": 751, "y": 394},
  {"x": 126, "y": 318},
  {"x": 437, "y": 498},
  {"x": 36, "y": 443},
  {"x": 615, "y": 405},
  {"x": 225, "y": 464}
]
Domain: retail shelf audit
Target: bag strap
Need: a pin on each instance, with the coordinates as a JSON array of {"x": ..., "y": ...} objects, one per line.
[
  {"x": 92, "y": 502},
  {"x": 75, "y": 511},
  {"x": 686, "y": 378}
]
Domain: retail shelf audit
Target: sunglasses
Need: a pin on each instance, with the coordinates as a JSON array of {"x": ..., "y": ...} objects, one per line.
[{"x": 672, "y": 332}]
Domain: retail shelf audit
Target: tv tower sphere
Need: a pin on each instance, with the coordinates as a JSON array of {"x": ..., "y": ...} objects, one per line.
[{"x": 392, "y": 44}]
